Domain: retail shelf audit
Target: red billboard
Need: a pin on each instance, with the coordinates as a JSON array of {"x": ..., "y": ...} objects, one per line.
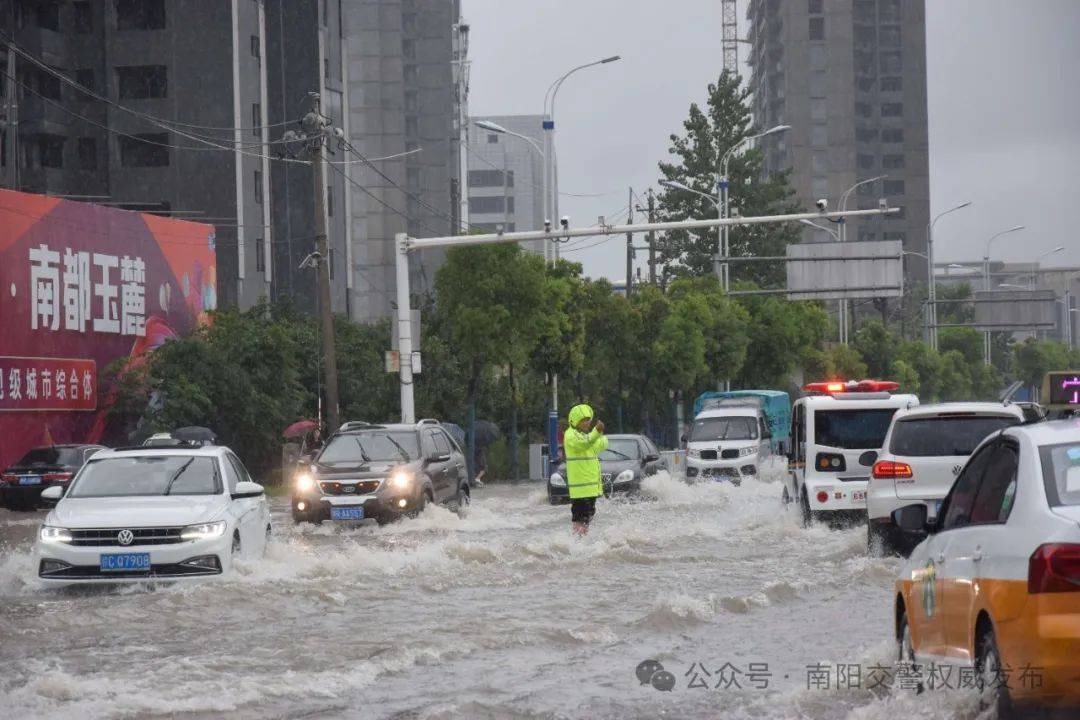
[{"x": 82, "y": 286}]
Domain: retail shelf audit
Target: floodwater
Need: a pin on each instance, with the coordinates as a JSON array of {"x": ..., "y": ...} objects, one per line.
[{"x": 501, "y": 614}]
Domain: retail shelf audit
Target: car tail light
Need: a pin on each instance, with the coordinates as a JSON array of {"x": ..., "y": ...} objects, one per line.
[
  {"x": 57, "y": 477},
  {"x": 830, "y": 462},
  {"x": 1054, "y": 567},
  {"x": 10, "y": 478},
  {"x": 890, "y": 470},
  {"x": 822, "y": 497}
]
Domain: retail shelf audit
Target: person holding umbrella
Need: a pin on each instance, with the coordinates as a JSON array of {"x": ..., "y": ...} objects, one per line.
[{"x": 583, "y": 442}]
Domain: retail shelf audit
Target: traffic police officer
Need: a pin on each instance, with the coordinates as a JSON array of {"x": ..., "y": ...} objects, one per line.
[{"x": 583, "y": 441}]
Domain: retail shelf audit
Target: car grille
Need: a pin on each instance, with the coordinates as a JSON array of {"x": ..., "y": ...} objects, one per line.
[
  {"x": 730, "y": 454},
  {"x": 360, "y": 487},
  {"x": 92, "y": 572},
  {"x": 720, "y": 472},
  {"x": 142, "y": 536},
  {"x": 708, "y": 454}
]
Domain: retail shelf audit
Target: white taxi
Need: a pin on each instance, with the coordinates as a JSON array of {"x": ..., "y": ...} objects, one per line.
[
  {"x": 923, "y": 452},
  {"x": 830, "y": 429},
  {"x": 996, "y": 585},
  {"x": 143, "y": 513}
]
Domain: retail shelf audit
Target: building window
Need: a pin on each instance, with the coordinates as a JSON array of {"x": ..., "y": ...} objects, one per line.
[
  {"x": 49, "y": 85},
  {"x": 144, "y": 150},
  {"x": 411, "y": 74},
  {"x": 817, "y": 57},
  {"x": 892, "y": 135},
  {"x": 892, "y": 109},
  {"x": 51, "y": 151},
  {"x": 490, "y": 178},
  {"x": 408, "y": 48},
  {"x": 481, "y": 205},
  {"x": 141, "y": 82},
  {"x": 819, "y": 109},
  {"x": 817, "y": 85},
  {"x": 864, "y": 64},
  {"x": 902, "y": 237},
  {"x": 816, "y": 7},
  {"x": 819, "y": 136},
  {"x": 48, "y": 15},
  {"x": 891, "y": 63},
  {"x": 865, "y": 134},
  {"x": 889, "y": 11},
  {"x": 85, "y": 77},
  {"x": 865, "y": 35},
  {"x": 412, "y": 101},
  {"x": 865, "y": 84},
  {"x": 140, "y": 14},
  {"x": 866, "y": 236},
  {"x": 893, "y": 187},
  {"x": 892, "y": 84},
  {"x": 260, "y": 255},
  {"x": 817, "y": 28},
  {"x": 83, "y": 18},
  {"x": 863, "y": 109},
  {"x": 889, "y": 37},
  {"x": 87, "y": 150},
  {"x": 256, "y": 119},
  {"x": 819, "y": 186},
  {"x": 492, "y": 138},
  {"x": 412, "y": 177},
  {"x": 865, "y": 162},
  {"x": 412, "y": 125},
  {"x": 892, "y": 162},
  {"x": 256, "y": 50},
  {"x": 819, "y": 163},
  {"x": 258, "y": 187},
  {"x": 326, "y": 68},
  {"x": 408, "y": 23}
]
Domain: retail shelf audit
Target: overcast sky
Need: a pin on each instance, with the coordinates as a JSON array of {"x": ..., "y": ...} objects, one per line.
[{"x": 1003, "y": 96}]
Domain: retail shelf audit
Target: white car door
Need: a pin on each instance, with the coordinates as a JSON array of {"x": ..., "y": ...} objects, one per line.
[
  {"x": 247, "y": 510},
  {"x": 258, "y": 515}
]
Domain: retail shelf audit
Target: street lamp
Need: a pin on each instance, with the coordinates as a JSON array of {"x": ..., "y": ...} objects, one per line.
[
  {"x": 843, "y": 314},
  {"x": 722, "y": 193},
  {"x": 931, "y": 283},
  {"x": 551, "y": 182},
  {"x": 1048, "y": 253},
  {"x": 986, "y": 283},
  {"x": 834, "y": 233}
]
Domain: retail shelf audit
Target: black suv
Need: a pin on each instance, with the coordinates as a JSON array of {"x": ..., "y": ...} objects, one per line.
[
  {"x": 626, "y": 462},
  {"x": 22, "y": 483},
  {"x": 381, "y": 472}
]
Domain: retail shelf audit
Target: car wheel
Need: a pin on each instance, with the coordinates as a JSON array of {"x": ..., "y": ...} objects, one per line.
[
  {"x": 425, "y": 498},
  {"x": 235, "y": 544},
  {"x": 992, "y": 679},
  {"x": 905, "y": 649},
  {"x": 879, "y": 542},
  {"x": 785, "y": 497}
]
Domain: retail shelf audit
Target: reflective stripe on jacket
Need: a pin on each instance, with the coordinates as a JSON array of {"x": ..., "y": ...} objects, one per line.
[{"x": 582, "y": 466}]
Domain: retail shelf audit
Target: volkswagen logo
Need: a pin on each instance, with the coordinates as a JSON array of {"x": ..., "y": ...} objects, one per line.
[
  {"x": 956, "y": 469},
  {"x": 125, "y": 537}
]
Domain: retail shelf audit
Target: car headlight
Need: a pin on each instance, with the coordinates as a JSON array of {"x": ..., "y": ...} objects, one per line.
[
  {"x": 692, "y": 453},
  {"x": 624, "y": 476},
  {"x": 305, "y": 481},
  {"x": 557, "y": 480},
  {"x": 401, "y": 480},
  {"x": 54, "y": 534},
  {"x": 747, "y": 451},
  {"x": 204, "y": 531}
]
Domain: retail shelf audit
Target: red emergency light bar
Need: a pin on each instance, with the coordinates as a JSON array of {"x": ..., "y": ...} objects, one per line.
[{"x": 851, "y": 386}]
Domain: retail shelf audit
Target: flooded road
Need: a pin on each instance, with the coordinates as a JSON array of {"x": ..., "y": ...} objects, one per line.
[{"x": 500, "y": 614}]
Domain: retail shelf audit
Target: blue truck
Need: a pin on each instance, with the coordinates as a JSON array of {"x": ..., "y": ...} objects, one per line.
[{"x": 774, "y": 404}]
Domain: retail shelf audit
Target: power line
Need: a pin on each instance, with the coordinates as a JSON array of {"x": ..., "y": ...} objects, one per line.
[
  {"x": 492, "y": 165},
  {"x": 382, "y": 202}
]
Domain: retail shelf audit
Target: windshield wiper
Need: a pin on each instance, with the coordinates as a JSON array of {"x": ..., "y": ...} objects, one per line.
[
  {"x": 176, "y": 475},
  {"x": 404, "y": 455},
  {"x": 622, "y": 455},
  {"x": 363, "y": 455}
]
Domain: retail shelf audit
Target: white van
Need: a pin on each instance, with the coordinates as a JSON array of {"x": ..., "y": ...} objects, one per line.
[
  {"x": 830, "y": 428},
  {"x": 728, "y": 442}
]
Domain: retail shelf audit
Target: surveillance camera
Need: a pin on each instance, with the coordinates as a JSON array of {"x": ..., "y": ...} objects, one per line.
[
  {"x": 565, "y": 222},
  {"x": 882, "y": 204},
  {"x": 823, "y": 204},
  {"x": 547, "y": 225}
]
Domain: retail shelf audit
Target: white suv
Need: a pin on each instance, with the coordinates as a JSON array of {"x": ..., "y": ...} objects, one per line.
[{"x": 924, "y": 451}]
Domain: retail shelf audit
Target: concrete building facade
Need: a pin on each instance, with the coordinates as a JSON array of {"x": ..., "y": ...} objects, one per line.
[
  {"x": 849, "y": 77},
  {"x": 506, "y": 175}
]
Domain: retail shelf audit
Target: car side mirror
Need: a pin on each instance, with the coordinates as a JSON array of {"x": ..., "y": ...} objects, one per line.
[
  {"x": 911, "y": 518},
  {"x": 651, "y": 457},
  {"x": 247, "y": 489},
  {"x": 436, "y": 457},
  {"x": 53, "y": 492},
  {"x": 868, "y": 458},
  {"x": 682, "y": 438}
]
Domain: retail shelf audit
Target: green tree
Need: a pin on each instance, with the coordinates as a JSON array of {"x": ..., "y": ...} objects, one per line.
[
  {"x": 780, "y": 333},
  {"x": 877, "y": 345},
  {"x": 844, "y": 362},
  {"x": 724, "y": 123},
  {"x": 1032, "y": 359},
  {"x": 955, "y": 383}
]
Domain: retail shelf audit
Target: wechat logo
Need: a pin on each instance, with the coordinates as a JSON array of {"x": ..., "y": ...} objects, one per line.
[{"x": 651, "y": 672}]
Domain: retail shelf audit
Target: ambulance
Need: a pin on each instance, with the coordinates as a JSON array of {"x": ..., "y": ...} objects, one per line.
[
  {"x": 994, "y": 590},
  {"x": 833, "y": 430}
]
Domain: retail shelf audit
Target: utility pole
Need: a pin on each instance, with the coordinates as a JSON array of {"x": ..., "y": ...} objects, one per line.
[
  {"x": 630, "y": 245},
  {"x": 316, "y": 126},
  {"x": 11, "y": 121},
  {"x": 652, "y": 239}
]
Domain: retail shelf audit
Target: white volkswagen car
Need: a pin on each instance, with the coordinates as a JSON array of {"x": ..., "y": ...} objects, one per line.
[
  {"x": 923, "y": 452},
  {"x": 152, "y": 513}
]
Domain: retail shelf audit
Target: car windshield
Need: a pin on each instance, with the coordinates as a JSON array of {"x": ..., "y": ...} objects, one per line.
[
  {"x": 148, "y": 475},
  {"x": 50, "y": 456},
  {"x": 944, "y": 436},
  {"x": 1061, "y": 473},
  {"x": 724, "y": 428},
  {"x": 620, "y": 449},
  {"x": 852, "y": 429},
  {"x": 370, "y": 446}
]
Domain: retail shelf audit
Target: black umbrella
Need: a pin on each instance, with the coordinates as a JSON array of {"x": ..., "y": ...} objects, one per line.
[
  {"x": 195, "y": 434},
  {"x": 487, "y": 432}
]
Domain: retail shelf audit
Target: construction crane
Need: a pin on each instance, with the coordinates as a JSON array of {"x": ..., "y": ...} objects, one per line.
[{"x": 730, "y": 35}]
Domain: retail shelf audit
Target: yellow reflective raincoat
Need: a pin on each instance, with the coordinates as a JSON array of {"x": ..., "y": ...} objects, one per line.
[{"x": 582, "y": 466}]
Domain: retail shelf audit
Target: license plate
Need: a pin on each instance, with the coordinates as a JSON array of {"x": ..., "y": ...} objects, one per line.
[
  {"x": 858, "y": 496},
  {"x": 347, "y": 513},
  {"x": 125, "y": 562},
  {"x": 29, "y": 479}
]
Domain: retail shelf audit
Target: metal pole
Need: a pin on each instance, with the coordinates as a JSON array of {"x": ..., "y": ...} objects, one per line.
[
  {"x": 405, "y": 376},
  {"x": 652, "y": 241},
  {"x": 11, "y": 118},
  {"x": 547, "y": 189},
  {"x": 630, "y": 245},
  {"x": 722, "y": 241},
  {"x": 986, "y": 288},
  {"x": 318, "y": 172}
]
